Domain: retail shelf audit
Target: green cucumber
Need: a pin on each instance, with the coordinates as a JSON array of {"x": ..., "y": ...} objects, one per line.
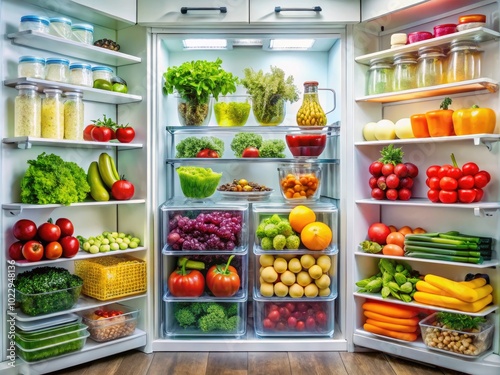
[{"x": 430, "y": 250}]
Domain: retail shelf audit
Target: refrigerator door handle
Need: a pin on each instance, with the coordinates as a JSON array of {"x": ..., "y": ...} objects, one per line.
[
  {"x": 313, "y": 9},
  {"x": 184, "y": 10}
]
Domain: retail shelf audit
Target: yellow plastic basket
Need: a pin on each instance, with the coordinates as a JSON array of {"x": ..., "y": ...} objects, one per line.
[{"x": 111, "y": 277}]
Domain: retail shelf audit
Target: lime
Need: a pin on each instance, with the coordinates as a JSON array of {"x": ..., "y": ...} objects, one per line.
[
  {"x": 102, "y": 84},
  {"x": 119, "y": 87}
]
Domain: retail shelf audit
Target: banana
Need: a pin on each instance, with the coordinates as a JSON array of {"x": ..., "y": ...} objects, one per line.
[
  {"x": 107, "y": 170},
  {"x": 113, "y": 168},
  {"x": 97, "y": 188}
]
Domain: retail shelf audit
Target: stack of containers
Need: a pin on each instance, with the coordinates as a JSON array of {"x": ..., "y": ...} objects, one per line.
[
  {"x": 294, "y": 290},
  {"x": 193, "y": 310}
]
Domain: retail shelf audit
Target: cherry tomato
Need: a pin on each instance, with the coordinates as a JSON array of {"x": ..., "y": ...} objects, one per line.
[
  {"x": 479, "y": 194},
  {"x": 433, "y": 195},
  {"x": 412, "y": 170},
  {"x": 24, "y": 230},
  {"x": 122, "y": 190},
  {"x": 466, "y": 182},
  {"x": 406, "y": 182},
  {"x": 466, "y": 195},
  {"x": 70, "y": 246},
  {"x": 274, "y": 316},
  {"x": 381, "y": 182},
  {"x": 49, "y": 231},
  {"x": 33, "y": 251},
  {"x": 125, "y": 134},
  {"x": 432, "y": 171},
  {"x": 375, "y": 168},
  {"x": 433, "y": 182},
  {"x": 391, "y": 194},
  {"x": 53, "y": 250},
  {"x": 470, "y": 169},
  {"x": 404, "y": 194},
  {"x": 481, "y": 179},
  {"x": 443, "y": 171},
  {"x": 448, "y": 183},
  {"x": 454, "y": 172},
  {"x": 101, "y": 134},
  {"x": 87, "y": 132},
  {"x": 66, "y": 226},
  {"x": 250, "y": 152},
  {"x": 372, "y": 182},
  {"x": 392, "y": 181},
  {"x": 16, "y": 250},
  {"x": 387, "y": 169},
  {"x": 448, "y": 196},
  {"x": 401, "y": 170},
  {"x": 378, "y": 194}
]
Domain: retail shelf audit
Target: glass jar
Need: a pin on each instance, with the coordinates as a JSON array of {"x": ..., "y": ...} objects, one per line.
[
  {"x": 464, "y": 61},
  {"x": 379, "y": 78},
  {"x": 102, "y": 72},
  {"x": 31, "y": 67},
  {"x": 73, "y": 116},
  {"x": 34, "y": 23},
  {"x": 83, "y": 33},
  {"x": 52, "y": 114},
  {"x": 80, "y": 74},
  {"x": 405, "y": 69},
  {"x": 57, "y": 69},
  {"x": 310, "y": 112},
  {"x": 430, "y": 67},
  {"x": 61, "y": 27},
  {"x": 27, "y": 112}
]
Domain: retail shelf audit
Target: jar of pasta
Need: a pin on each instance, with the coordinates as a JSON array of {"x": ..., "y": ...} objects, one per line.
[
  {"x": 27, "y": 112},
  {"x": 52, "y": 114},
  {"x": 430, "y": 67},
  {"x": 73, "y": 116},
  {"x": 57, "y": 69}
]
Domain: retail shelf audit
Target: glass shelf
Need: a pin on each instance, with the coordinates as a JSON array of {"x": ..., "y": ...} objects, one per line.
[
  {"x": 332, "y": 130},
  {"x": 198, "y": 161},
  {"x": 28, "y": 142}
]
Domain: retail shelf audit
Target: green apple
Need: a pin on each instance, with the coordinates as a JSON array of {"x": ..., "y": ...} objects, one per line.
[{"x": 119, "y": 87}]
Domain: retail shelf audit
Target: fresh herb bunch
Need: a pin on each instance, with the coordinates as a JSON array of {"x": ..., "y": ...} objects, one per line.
[
  {"x": 391, "y": 155},
  {"x": 459, "y": 322},
  {"x": 189, "y": 147},
  {"x": 267, "y": 89},
  {"x": 51, "y": 180},
  {"x": 196, "y": 81}
]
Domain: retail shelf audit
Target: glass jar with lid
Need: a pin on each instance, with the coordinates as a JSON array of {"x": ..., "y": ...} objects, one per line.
[
  {"x": 61, "y": 27},
  {"x": 34, "y": 23},
  {"x": 102, "y": 72},
  {"x": 430, "y": 67},
  {"x": 52, "y": 114},
  {"x": 80, "y": 74},
  {"x": 405, "y": 72},
  {"x": 464, "y": 61},
  {"x": 31, "y": 67},
  {"x": 379, "y": 77},
  {"x": 73, "y": 116},
  {"x": 56, "y": 69},
  {"x": 83, "y": 33},
  {"x": 27, "y": 112}
]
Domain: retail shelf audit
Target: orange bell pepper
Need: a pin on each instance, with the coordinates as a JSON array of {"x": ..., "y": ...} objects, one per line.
[
  {"x": 419, "y": 126},
  {"x": 440, "y": 121},
  {"x": 474, "y": 120}
]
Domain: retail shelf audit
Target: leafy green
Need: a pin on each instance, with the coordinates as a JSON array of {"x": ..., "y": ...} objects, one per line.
[
  {"x": 51, "y": 180},
  {"x": 267, "y": 89},
  {"x": 189, "y": 147},
  {"x": 196, "y": 81},
  {"x": 272, "y": 148},
  {"x": 198, "y": 182},
  {"x": 243, "y": 140},
  {"x": 391, "y": 155},
  {"x": 459, "y": 322}
]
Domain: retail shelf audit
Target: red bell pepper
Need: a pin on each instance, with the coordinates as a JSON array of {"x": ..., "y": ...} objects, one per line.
[
  {"x": 223, "y": 279},
  {"x": 186, "y": 283}
]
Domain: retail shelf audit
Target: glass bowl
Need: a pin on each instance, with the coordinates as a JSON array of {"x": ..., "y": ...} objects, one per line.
[
  {"x": 232, "y": 110},
  {"x": 193, "y": 114},
  {"x": 306, "y": 145},
  {"x": 300, "y": 181}
]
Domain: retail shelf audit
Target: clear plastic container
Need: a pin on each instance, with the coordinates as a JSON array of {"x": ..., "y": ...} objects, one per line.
[
  {"x": 35, "y": 304},
  {"x": 464, "y": 61},
  {"x": 300, "y": 182},
  {"x": 80, "y": 74},
  {"x": 57, "y": 69},
  {"x": 61, "y": 27},
  {"x": 34, "y": 23},
  {"x": 52, "y": 114},
  {"x": 379, "y": 78},
  {"x": 83, "y": 33},
  {"x": 405, "y": 69},
  {"x": 31, "y": 67},
  {"x": 73, "y": 116},
  {"x": 430, "y": 67},
  {"x": 102, "y": 72},
  {"x": 28, "y": 112}
]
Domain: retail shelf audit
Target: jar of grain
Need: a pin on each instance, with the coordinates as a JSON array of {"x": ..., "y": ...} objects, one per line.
[
  {"x": 57, "y": 69},
  {"x": 52, "y": 114},
  {"x": 61, "y": 27},
  {"x": 31, "y": 67},
  {"x": 27, "y": 112},
  {"x": 464, "y": 61},
  {"x": 80, "y": 74},
  {"x": 34, "y": 23},
  {"x": 405, "y": 69},
  {"x": 430, "y": 67},
  {"x": 73, "y": 116},
  {"x": 379, "y": 79},
  {"x": 83, "y": 33}
]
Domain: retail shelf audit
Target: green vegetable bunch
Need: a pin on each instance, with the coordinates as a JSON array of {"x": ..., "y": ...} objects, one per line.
[
  {"x": 276, "y": 233},
  {"x": 61, "y": 287},
  {"x": 198, "y": 182},
  {"x": 207, "y": 316},
  {"x": 189, "y": 147},
  {"x": 272, "y": 148},
  {"x": 267, "y": 90},
  {"x": 51, "y": 180}
]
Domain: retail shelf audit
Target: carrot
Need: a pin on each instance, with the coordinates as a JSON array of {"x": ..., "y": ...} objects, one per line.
[
  {"x": 474, "y": 283},
  {"x": 387, "y": 332},
  {"x": 453, "y": 288},
  {"x": 389, "y": 319},
  {"x": 392, "y": 327},
  {"x": 451, "y": 302},
  {"x": 391, "y": 309}
]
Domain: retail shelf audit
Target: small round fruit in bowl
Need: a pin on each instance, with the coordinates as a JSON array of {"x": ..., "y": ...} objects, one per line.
[{"x": 306, "y": 145}]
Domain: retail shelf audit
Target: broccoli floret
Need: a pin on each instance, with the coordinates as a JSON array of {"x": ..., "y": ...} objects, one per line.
[
  {"x": 231, "y": 309},
  {"x": 185, "y": 317},
  {"x": 231, "y": 324},
  {"x": 271, "y": 230},
  {"x": 275, "y": 219},
  {"x": 279, "y": 242},
  {"x": 266, "y": 243},
  {"x": 272, "y": 148},
  {"x": 259, "y": 232},
  {"x": 215, "y": 318},
  {"x": 197, "y": 308},
  {"x": 292, "y": 242},
  {"x": 285, "y": 228}
]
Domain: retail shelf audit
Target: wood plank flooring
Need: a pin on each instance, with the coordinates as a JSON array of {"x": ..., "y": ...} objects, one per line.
[{"x": 253, "y": 363}]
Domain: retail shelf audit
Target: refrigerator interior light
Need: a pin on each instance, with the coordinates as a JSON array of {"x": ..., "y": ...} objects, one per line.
[
  {"x": 291, "y": 44},
  {"x": 204, "y": 43}
]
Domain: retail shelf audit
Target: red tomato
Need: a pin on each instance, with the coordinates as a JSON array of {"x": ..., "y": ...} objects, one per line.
[
  {"x": 16, "y": 250},
  {"x": 53, "y": 250},
  {"x": 67, "y": 228},
  {"x": 375, "y": 168},
  {"x": 404, "y": 194},
  {"x": 479, "y": 194},
  {"x": 33, "y": 251},
  {"x": 268, "y": 324},
  {"x": 432, "y": 171},
  {"x": 300, "y": 326},
  {"x": 122, "y": 190},
  {"x": 448, "y": 183},
  {"x": 481, "y": 179},
  {"x": 466, "y": 195},
  {"x": 87, "y": 132},
  {"x": 186, "y": 283},
  {"x": 387, "y": 169},
  {"x": 49, "y": 231},
  {"x": 70, "y": 246},
  {"x": 24, "y": 230},
  {"x": 470, "y": 169},
  {"x": 223, "y": 280},
  {"x": 101, "y": 134},
  {"x": 401, "y": 170},
  {"x": 378, "y": 233},
  {"x": 250, "y": 152},
  {"x": 391, "y": 194},
  {"x": 125, "y": 134},
  {"x": 433, "y": 195},
  {"x": 378, "y": 194},
  {"x": 448, "y": 196},
  {"x": 392, "y": 181},
  {"x": 207, "y": 153}
]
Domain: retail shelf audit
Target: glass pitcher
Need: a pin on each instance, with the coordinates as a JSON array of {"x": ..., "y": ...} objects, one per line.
[{"x": 311, "y": 113}]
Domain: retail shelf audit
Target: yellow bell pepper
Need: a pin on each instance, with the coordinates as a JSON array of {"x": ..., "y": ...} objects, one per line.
[{"x": 474, "y": 120}]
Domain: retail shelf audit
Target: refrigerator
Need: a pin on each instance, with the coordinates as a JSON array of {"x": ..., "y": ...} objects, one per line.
[{"x": 343, "y": 49}]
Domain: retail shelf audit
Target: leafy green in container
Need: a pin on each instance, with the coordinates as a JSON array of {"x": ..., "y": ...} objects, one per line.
[
  {"x": 231, "y": 113},
  {"x": 198, "y": 182}
]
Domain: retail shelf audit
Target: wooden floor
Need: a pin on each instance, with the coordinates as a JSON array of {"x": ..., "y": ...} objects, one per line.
[{"x": 253, "y": 363}]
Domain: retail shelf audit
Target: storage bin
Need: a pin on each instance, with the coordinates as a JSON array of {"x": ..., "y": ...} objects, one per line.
[
  {"x": 46, "y": 303},
  {"x": 471, "y": 344},
  {"x": 102, "y": 72},
  {"x": 120, "y": 322},
  {"x": 112, "y": 276},
  {"x": 51, "y": 342},
  {"x": 223, "y": 226},
  {"x": 190, "y": 318},
  {"x": 277, "y": 317},
  {"x": 61, "y": 27},
  {"x": 239, "y": 262},
  {"x": 31, "y": 67}
]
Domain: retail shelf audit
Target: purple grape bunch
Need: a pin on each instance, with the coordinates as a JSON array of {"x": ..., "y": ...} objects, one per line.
[{"x": 216, "y": 230}]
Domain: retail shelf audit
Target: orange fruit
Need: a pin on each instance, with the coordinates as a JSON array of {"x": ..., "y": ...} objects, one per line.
[
  {"x": 316, "y": 236},
  {"x": 393, "y": 228},
  {"x": 300, "y": 216},
  {"x": 396, "y": 238},
  {"x": 405, "y": 230},
  {"x": 392, "y": 249},
  {"x": 419, "y": 230}
]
